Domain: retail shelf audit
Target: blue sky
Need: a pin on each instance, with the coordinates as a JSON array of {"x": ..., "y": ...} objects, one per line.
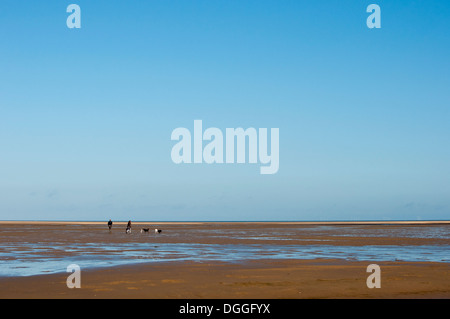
[{"x": 86, "y": 114}]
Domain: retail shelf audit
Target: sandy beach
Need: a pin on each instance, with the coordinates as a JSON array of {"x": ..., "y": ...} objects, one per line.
[{"x": 228, "y": 260}]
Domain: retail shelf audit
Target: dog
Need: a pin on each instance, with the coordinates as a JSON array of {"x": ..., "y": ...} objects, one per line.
[
  {"x": 145, "y": 230},
  {"x": 128, "y": 230},
  {"x": 157, "y": 231}
]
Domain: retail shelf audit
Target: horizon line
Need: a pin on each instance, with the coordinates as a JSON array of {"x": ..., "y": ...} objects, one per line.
[{"x": 305, "y": 222}]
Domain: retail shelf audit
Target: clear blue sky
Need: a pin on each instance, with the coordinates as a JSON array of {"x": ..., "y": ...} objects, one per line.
[{"x": 86, "y": 114}]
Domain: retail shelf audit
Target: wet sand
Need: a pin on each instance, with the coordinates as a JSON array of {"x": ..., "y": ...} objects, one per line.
[
  {"x": 266, "y": 279},
  {"x": 273, "y": 278}
]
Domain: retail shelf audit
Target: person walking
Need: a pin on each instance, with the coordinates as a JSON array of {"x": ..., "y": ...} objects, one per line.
[
  {"x": 110, "y": 224},
  {"x": 128, "y": 230}
]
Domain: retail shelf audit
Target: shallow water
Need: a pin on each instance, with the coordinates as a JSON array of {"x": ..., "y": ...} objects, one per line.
[
  {"x": 40, "y": 260},
  {"x": 25, "y": 255}
]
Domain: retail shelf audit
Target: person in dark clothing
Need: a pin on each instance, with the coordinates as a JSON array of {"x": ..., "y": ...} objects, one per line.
[
  {"x": 128, "y": 230},
  {"x": 110, "y": 224}
]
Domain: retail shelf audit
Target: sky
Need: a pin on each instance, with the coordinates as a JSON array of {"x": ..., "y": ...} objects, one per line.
[{"x": 86, "y": 114}]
